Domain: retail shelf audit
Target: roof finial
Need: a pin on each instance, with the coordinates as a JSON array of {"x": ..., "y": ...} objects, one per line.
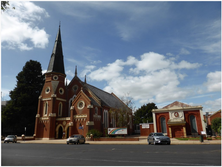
[
  {"x": 76, "y": 71},
  {"x": 85, "y": 78}
]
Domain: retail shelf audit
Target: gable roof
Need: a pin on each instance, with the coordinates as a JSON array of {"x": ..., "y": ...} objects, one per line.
[
  {"x": 106, "y": 98},
  {"x": 176, "y": 104}
]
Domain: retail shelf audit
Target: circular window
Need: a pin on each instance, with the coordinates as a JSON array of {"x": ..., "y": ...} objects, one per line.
[
  {"x": 176, "y": 114},
  {"x": 61, "y": 91},
  {"x": 47, "y": 90},
  {"x": 81, "y": 105},
  {"x": 55, "y": 77},
  {"x": 75, "y": 88}
]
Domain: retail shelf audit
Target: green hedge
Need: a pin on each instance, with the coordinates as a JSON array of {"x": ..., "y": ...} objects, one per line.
[{"x": 95, "y": 133}]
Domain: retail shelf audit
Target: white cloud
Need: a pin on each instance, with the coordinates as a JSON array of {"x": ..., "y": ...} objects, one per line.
[
  {"x": 185, "y": 64},
  {"x": 5, "y": 94},
  {"x": 132, "y": 17},
  {"x": 184, "y": 52},
  {"x": 70, "y": 73},
  {"x": 212, "y": 105},
  {"x": 213, "y": 81},
  {"x": 87, "y": 70},
  {"x": 155, "y": 79},
  {"x": 44, "y": 71},
  {"x": 109, "y": 72},
  {"x": 19, "y": 27},
  {"x": 206, "y": 37}
]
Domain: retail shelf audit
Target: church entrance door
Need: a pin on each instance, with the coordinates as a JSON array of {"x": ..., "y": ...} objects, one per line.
[
  {"x": 177, "y": 131},
  {"x": 60, "y": 133},
  {"x": 67, "y": 133}
]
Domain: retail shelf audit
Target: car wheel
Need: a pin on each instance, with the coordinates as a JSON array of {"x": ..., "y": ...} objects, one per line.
[
  {"x": 4, "y": 142},
  {"x": 77, "y": 142},
  {"x": 168, "y": 143},
  {"x": 67, "y": 143},
  {"x": 148, "y": 142}
]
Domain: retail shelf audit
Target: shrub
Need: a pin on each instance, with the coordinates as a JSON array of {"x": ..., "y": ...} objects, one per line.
[
  {"x": 95, "y": 133},
  {"x": 216, "y": 125}
]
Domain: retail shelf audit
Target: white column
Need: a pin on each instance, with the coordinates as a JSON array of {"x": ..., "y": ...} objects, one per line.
[
  {"x": 154, "y": 121},
  {"x": 202, "y": 120}
]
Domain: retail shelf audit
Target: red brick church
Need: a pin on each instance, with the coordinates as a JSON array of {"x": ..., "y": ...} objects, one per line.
[{"x": 74, "y": 108}]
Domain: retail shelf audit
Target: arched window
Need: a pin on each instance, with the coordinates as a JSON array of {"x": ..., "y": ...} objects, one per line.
[
  {"x": 96, "y": 111},
  {"x": 163, "y": 124},
  {"x": 46, "y": 108},
  {"x": 60, "y": 110},
  {"x": 193, "y": 124},
  {"x": 105, "y": 118},
  {"x": 130, "y": 121},
  {"x": 70, "y": 104}
]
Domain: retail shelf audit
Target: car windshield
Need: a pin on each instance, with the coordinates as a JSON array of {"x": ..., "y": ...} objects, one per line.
[
  {"x": 158, "y": 134},
  {"x": 10, "y": 136},
  {"x": 76, "y": 136}
]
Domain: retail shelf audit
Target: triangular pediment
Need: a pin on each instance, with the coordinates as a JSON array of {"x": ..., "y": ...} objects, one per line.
[{"x": 176, "y": 104}]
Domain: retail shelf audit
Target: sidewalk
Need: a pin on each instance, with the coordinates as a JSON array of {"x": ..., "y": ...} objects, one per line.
[{"x": 142, "y": 141}]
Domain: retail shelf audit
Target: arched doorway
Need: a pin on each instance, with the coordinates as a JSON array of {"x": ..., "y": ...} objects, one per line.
[
  {"x": 60, "y": 133},
  {"x": 67, "y": 133}
]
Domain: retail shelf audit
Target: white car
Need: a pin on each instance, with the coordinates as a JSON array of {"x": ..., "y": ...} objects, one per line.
[
  {"x": 10, "y": 138},
  {"x": 76, "y": 139},
  {"x": 158, "y": 138}
]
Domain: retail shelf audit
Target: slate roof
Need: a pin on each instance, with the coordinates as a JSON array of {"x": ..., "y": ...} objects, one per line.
[
  {"x": 56, "y": 63},
  {"x": 106, "y": 98},
  {"x": 176, "y": 104}
]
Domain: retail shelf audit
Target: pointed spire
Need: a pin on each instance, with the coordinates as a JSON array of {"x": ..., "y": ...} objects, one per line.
[
  {"x": 56, "y": 63},
  {"x": 76, "y": 71},
  {"x": 85, "y": 78}
]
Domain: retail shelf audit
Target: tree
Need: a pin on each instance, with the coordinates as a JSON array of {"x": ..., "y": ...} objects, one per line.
[
  {"x": 121, "y": 114},
  {"x": 21, "y": 109},
  {"x": 144, "y": 114},
  {"x": 4, "y": 5},
  {"x": 216, "y": 125}
]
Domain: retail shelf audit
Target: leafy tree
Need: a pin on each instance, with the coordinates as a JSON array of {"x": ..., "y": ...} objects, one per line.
[
  {"x": 21, "y": 110},
  {"x": 121, "y": 115},
  {"x": 4, "y": 5},
  {"x": 216, "y": 125},
  {"x": 144, "y": 114}
]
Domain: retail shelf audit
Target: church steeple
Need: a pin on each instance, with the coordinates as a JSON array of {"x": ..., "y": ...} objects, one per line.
[{"x": 56, "y": 63}]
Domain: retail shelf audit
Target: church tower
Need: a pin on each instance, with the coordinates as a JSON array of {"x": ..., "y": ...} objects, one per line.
[{"x": 52, "y": 101}]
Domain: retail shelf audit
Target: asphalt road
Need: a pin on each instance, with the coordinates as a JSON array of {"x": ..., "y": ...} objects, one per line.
[{"x": 17, "y": 154}]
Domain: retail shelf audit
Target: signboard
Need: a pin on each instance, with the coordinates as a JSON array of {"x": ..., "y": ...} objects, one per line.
[
  {"x": 117, "y": 131},
  {"x": 145, "y": 125},
  {"x": 203, "y": 132}
]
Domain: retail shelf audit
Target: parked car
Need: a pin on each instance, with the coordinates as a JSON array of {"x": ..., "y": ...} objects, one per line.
[
  {"x": 76, "y": 139},
  {"x": 158, "y": 138},
  {"x": 10, "y": 138}
]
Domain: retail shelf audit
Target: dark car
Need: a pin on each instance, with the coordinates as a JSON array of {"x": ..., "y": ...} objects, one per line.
[
  {"x": 10, "y": 138},
  {"x": 158, "y": 138},
  {"x": 76, "y": 139}
]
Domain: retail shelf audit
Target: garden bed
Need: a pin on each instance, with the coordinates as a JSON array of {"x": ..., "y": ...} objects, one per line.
[
  {"x": 116, "y": 139},
  {"x": 198, "y": 138}
]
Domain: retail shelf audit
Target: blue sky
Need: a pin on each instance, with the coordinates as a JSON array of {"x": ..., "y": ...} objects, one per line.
[{"x": 157, "y": 52}]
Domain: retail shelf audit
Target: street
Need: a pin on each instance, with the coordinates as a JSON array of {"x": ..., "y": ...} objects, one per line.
[{"x": 109, "y": 155}]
